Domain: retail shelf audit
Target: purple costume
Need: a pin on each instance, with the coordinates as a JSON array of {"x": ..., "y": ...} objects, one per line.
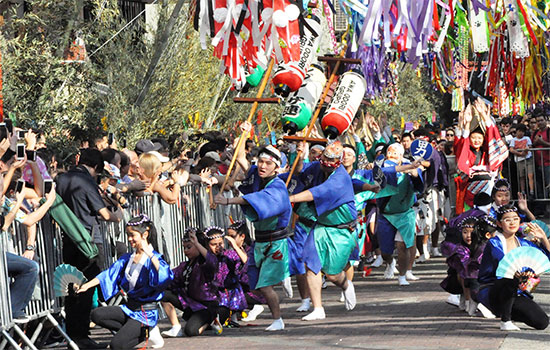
[
  {"x": 461, "y": 264},
  {"x": 193, "y": 282},
  {"x": 227, "y": 280},
  {"x": 460, "y": 259}
]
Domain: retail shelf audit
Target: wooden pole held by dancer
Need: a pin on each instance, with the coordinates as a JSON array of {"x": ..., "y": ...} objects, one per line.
[
  {"x": 340, "y": 58},
  {"x": 243, "y": 136}
]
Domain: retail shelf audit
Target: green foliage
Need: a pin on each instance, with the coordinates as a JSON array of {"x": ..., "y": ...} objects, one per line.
[
  {"x": 415, "y": 101},
  {"x": 75, "y": 101}
]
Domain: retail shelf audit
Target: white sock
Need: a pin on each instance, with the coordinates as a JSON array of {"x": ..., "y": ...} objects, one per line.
[{"x": 277, "y": 325}]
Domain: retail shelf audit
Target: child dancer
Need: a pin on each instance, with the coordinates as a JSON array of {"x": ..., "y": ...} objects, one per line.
[
  {"x": 463, "y": 261},
  {"x": 238, "y": 236},
  {"x": 143, "y": 275},
  {"x": 501, "y": 296},
  {"x": 193, "y": 290},
  {"x": 231, "y": 295}
]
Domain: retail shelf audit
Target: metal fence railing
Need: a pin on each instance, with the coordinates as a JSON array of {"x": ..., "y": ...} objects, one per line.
[
  {"x": 192, "y": 210},
  {"x": 531, "y": 175}
]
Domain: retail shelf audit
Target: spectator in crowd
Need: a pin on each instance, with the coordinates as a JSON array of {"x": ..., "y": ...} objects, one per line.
[
  {"x": 78, "y": 189},
  {"x": 151, "y": 167},
  {"x": 450, "y": 134},
  {"x": 541, "y": 139},
  {"x": 522, "y": 156}
]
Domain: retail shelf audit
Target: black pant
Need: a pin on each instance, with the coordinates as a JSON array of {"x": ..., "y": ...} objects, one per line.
[
  {"x": 129, "y": 332},
  {"x": 172, "y": 298},
  {"x": 505, "y": 303},
  {"x": 195, "y": 320},
  {"x": 79, "y": 306}
]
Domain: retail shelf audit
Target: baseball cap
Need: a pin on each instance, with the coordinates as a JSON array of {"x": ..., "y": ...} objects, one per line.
[{"x": 145, "y": 146}]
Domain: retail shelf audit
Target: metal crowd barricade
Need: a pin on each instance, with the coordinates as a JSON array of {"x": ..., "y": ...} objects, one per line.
[
  {"x": 6, "y": 322},
  {"x": 513, "y": 171},
  {"x": 171, "y": 221},
  {"x": 43, "y": 304},
  {"x": 192, "y": 210}
]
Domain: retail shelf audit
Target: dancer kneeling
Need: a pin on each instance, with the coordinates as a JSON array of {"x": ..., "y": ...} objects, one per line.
[
  {"x": 464, "y": 259},
  {"x": 502, "y": 296},
  {"x": 143, "y": 275},
  {"x": 193, "y": 290},
  {"x": 238, "y": 236}
]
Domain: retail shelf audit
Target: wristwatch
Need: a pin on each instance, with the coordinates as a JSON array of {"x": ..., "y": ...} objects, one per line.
[{"x": 30, "y": 247}]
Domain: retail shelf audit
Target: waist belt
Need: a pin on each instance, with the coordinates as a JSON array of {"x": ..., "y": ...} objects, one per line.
[
  {"x": 349, "y": 225},
  {"x": 270, "y": 236},
  {"x": 306, "y": 222},
  {"x": 139, "y": 306}
]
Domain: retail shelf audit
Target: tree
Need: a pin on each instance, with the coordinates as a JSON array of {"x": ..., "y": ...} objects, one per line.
[{"x": 414, "y": 100}]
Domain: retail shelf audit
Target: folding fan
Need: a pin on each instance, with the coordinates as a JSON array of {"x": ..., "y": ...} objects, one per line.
[
  {"x": 64, "y": 275},
  {"x": 520, "y": 259}
]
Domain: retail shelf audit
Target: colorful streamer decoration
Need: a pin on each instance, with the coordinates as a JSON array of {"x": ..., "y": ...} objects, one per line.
[{"x": 494, "y": 48}]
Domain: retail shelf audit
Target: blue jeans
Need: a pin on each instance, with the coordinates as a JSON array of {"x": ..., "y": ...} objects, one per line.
[{"x": 25, "y": 275}]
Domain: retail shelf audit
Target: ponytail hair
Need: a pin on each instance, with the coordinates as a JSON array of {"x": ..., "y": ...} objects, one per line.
[{"x": 142, "y": 224}]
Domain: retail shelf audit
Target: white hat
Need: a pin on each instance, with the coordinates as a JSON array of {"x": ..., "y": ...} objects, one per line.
[{"x": 160, "y": 157}]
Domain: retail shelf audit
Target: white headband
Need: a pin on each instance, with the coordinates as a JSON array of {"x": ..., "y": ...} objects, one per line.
[{"x": 271, "y": 158}]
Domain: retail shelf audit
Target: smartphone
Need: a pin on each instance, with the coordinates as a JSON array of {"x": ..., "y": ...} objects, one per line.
[
  {"x": 48, "y": 185},
  {"x": 20, "y": 185},
  {"x": 21, "y": 134},
  {"x": 3, "y": 131},
  {"x": 20, "y": 152},
  {"x": 110, "y": 138},
  {"x": 31, "y": 155},
  {"x": 9, "y": 126}
]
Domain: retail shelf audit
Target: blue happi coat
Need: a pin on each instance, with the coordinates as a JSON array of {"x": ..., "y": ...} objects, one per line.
[
  {"x": 268, "y": 208},
  {"x": 149, "y": 286}
]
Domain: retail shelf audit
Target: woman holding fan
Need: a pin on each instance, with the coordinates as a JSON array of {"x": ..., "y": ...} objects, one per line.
[
  {"x": 506, "y": 297},
  {"x": 143, "y": 275}
]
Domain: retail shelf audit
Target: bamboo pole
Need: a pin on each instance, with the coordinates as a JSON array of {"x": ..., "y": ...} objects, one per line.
[
  {"x": 267, "y": 74},
  {"x": 318, "y": 110}
]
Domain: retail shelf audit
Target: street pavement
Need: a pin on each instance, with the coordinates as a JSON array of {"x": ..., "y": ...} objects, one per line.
[{"x": 387, "y": 316}]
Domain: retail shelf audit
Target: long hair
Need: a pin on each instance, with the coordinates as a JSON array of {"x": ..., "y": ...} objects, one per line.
[{"x": 142, "y": 223}]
